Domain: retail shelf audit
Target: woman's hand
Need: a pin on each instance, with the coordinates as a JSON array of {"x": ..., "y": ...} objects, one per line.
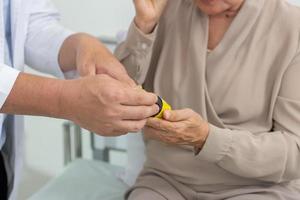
[
  {"x": 148, "y": 13},
  {"x": 181, "y": 127}
]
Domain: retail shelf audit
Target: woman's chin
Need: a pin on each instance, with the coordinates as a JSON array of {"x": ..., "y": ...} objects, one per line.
[
  {"x": 212, "y": 7},
  {"x": 211, "y": 12}
]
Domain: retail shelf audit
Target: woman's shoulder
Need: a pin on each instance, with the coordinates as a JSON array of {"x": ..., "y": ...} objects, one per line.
[
  {"x": 287, "y": 12},
  {"x": 290, "y": 8},
  {"x": 287, "y": 17},
  {"x": 283, "y": 17}
]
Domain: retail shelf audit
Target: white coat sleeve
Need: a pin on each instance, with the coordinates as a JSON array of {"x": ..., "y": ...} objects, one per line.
[
  {"x": 8, "y": 77},
  {"x": 45, "y": 38}
]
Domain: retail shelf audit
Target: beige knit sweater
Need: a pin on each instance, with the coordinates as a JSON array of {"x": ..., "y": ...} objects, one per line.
[{"x": 248, "y": 88}]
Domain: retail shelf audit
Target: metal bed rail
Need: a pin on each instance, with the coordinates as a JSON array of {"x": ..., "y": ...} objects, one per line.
[{"x": 72, "y": 142}]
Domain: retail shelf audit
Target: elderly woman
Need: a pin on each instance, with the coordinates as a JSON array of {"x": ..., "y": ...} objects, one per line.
[{"x": 235, "y": 64}]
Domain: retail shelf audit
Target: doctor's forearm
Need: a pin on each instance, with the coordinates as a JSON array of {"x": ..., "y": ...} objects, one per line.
[
  {"x": 67, "y": 54},
  {"x": 80, "y": 49},
  {"x": 87, "y": 55},
  {"x": 34, "y": 95}
]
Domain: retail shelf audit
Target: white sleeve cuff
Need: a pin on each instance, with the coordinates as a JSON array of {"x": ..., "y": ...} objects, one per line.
[{"x": 8, "y": 77}]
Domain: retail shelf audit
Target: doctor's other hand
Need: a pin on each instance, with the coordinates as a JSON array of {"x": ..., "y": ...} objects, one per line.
[
  {"x": 148, "y": 13},
  {"x": 178, "y": 127},
  {"x": 87, "y": 55},
  {"x": 106, "y": 106}
]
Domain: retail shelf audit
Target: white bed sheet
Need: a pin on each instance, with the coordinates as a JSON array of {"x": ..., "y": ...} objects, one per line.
[{"x": 85, "y": 180}]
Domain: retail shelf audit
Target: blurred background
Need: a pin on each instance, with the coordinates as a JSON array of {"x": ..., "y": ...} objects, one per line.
[{"x": 50, "y": 148}]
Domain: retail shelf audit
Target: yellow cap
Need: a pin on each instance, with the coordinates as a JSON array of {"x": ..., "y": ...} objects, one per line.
[{"x": 163, "y": 106}]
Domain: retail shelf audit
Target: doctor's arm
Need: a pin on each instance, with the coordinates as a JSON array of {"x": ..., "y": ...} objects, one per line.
[
  {"x": 89, "y": 101},
  {"x": 53, "y": 49}
]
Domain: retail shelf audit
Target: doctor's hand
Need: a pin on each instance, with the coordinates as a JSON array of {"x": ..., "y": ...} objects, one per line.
[
  {"x": 179, "y": 127},
  {"x": 106, "y": 106},
  {"x": 90, "y": 57},
  {"x": 148, "y": 13}
]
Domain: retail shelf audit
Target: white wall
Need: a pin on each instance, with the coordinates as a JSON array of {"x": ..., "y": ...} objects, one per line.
[
  {"x": 296, "y": 2},
  {"x": 98, "y": 17}
]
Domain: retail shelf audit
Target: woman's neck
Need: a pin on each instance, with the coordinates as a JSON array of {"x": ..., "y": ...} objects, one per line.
[{"x": 219, "y": 24}]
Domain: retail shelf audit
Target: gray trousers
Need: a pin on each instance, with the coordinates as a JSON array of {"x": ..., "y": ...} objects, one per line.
[{"x": 153, "y": 186}]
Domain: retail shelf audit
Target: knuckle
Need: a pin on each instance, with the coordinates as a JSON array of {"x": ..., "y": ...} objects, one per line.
[
  {"x": 112, "y": 96},
  {"x": 161, "y": 126},
  {"x": 110, "y": 114},
  {"x": 139, "y": 98},
  {"x": 177, "y": 128},
  {"x": 115, "y": 96},
  {"x": 182, "y": 130},
  {"x": 178, "y": 131}
]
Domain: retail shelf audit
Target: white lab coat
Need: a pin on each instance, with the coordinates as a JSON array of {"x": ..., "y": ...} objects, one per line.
[{"x": 36, "y": 40}]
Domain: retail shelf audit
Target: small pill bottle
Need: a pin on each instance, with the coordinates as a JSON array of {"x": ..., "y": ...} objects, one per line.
[{"x": 163, "y": 105}]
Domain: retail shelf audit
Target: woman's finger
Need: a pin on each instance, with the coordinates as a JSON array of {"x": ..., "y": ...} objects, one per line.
[
  {"x": 160, "y": 124},
  {"x": 163, "y": 136},
  {"x": 155, "y": 134},
  {"x": 178, "y": 115}
]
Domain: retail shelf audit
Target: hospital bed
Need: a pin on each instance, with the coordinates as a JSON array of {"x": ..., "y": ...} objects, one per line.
[
  {"x": 97, "y": 178},
  {"x": 85, "y": 179}
]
